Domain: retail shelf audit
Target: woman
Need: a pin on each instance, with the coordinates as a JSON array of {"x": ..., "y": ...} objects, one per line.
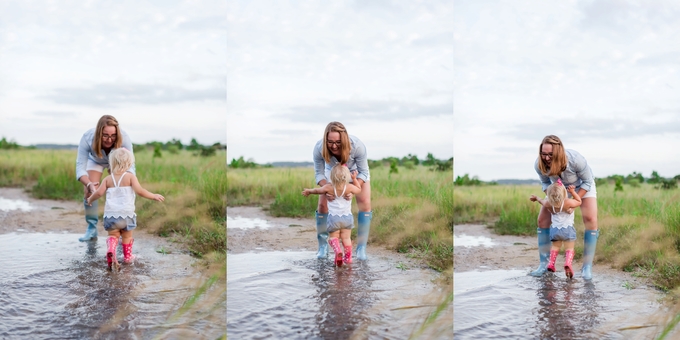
[
  {"x": 335, "y": 147},
  {"x": 93, "y": 157},
  {"x": 555, "y": 162}
]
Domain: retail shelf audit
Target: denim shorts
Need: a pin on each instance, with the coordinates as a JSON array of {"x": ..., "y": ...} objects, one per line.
[
  {"x": 122, "y": 223},
  {"x": 336, "y": 223},
  {"x": 563, "y": 234}
]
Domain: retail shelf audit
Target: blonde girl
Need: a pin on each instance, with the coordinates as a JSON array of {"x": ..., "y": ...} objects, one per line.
[
  {"x": 119, "y": 212},
  {"x": 340, "y": 219},
  {"x": 562, "y": 227}
]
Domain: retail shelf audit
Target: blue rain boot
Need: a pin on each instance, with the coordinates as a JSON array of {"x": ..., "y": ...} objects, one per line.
[
  {"x": 543, "y": 251},
  {"x": 91, "y": 217},
  {"x": 322, "y": 235},
  {"x": 364, "y": 228},
  {"x": 589, "y": 243}
]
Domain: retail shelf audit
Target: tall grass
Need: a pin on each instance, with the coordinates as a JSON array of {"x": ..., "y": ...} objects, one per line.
[
  {"x": 639, "y": 226},
  {"x": 412, "y": 209},
  {"x": 194, "y": 210}
]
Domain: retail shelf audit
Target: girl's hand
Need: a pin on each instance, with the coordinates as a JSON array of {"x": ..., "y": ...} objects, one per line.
[
  {"x": 571, "y": 188},
  {"x": 533, "y": 198},
  {"x": 158, "y": 197},
  {"x": 305, "y": 192}
]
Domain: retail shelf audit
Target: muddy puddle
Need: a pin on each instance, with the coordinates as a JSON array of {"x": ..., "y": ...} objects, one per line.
[
  {"x": 282, "y": 294},
  {"x": 494, "y": 298},
  {"x": 54, "y": 287},
  {"x": 7, "y": 204}
]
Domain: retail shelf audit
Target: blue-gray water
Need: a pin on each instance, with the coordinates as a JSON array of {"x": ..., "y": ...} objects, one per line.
[
  {"x": 54, "y": 287},
  {"x": 508, "y": 304},
  {"x": 293, "y": 295}
]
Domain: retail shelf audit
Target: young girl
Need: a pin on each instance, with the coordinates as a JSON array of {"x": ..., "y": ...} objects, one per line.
[
  {"x": 119, "y": 213},
  {"x": 340, "y": 219},
  {"x": 562, "y": 226}
]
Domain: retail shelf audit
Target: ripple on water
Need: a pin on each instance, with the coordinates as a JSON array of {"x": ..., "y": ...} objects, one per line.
[
  {"x": 510, "y": 304},
  {"x": 56, "y": 287}
]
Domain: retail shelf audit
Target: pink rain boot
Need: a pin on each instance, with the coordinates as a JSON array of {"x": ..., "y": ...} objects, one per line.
[
  {"x": 553, "y": 258},
  {"x": 127, "y": 252},
  {"x": 348, "y": 254},
  {"x": 111, "y": 260},
  {"x": 335, "y": 244},
  {"x": 568, "y": 256}
]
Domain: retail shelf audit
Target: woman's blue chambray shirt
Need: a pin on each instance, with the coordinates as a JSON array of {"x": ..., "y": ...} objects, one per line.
[
  {"x": 578, "y": 173},
  {"x": 358, "y": 160},
  {"x": 86, "y": 152}
]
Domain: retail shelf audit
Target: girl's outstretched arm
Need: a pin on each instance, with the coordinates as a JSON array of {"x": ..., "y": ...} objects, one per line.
[
  {"x": 100, "y": 191},
  {"x": 134, "y": 183},
  {"x": 316, "y": 191}
]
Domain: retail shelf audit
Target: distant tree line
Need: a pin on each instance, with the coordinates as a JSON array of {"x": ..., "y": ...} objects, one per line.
[
  {"x": 409, "y": 162},
  {"x": 636, "y": 178},
  {"x": 175, "y": 145},
  {"x": 8, "y": 145}
]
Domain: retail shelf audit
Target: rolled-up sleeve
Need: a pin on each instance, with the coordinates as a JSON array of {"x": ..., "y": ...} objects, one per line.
[
  {"x": 319, "y": 163},
  {"x": 127, "y": 143},
  {"x": 582, "y": 170},
  {"x": 361, "y": 161},
  {"x": 81, "y": 159},
  {"x": 545, "y": 180}
]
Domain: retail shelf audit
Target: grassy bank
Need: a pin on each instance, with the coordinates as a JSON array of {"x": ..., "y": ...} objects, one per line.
[
  {"x": 412, "y": 209},
  {"x": 194, "y": 210},
  {"x": 639, "y": 226}
]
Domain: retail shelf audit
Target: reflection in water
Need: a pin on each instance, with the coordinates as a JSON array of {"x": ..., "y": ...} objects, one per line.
[
  {"x": 496, "y": 304},
  {"x": 463, "y": 240},
  {"x": 343, "y": 295},
  {"x": 567, "y": 310},
  {"x": 246, "y": 223},
  {"x": 9, "y": 204},
  {"x": 53, "y": 286}
]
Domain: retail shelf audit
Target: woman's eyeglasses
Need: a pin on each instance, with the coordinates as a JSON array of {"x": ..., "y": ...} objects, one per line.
[
  {"x": 331, "y": 143},
  {"x": 109, "y": 137}
]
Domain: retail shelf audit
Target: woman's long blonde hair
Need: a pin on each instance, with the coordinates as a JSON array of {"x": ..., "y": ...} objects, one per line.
[
  {"x": 104, "y": 121},
  {"x": 345, "y": 145},
  {"x": 559, "y": 157},
  {"x": 121, "y": 160}
]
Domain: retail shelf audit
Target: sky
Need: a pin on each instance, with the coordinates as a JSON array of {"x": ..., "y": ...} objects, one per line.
[
  {"x": 604, "y": 76},
  {"x": 157, "y": 66},
  {"x": 382, "y": 68}
]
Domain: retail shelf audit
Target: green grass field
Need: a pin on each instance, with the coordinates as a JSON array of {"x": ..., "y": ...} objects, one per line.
[
  {"x": 412, "y": 209},
  {"x": 194, "y": 212},
  {"x": 639, "y": 226}
]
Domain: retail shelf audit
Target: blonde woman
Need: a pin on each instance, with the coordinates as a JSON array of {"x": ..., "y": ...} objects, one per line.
[
  {"x": 119, "y": 213},
  {"x": 340, "y": 220},
  {"x": 93, "y": 157},
  {"x": 554, "y": 163},
  {"x": 338, "y": 147}
]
